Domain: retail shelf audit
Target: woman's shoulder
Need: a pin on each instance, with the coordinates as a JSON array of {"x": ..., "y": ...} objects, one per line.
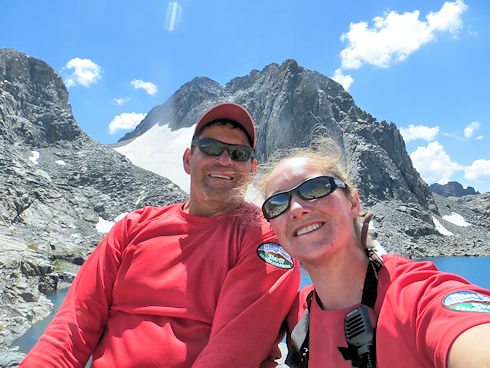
[
  {"x": 396, "y": 264},
  {"x": 417, "y": 280}
]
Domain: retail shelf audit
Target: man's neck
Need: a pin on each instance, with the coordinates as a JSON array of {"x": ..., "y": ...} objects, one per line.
[{"x": 210, "y": 209}]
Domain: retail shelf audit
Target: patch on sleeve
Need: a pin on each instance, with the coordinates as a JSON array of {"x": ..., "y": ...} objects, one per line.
[
  {"x": 467, "y": 301},
  {"x": 273, "y": 254}
]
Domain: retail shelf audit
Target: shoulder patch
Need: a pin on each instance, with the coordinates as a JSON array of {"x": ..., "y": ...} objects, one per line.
[
  {"x": 272, "y": 253},
  {"x": 467, "y": 301}
]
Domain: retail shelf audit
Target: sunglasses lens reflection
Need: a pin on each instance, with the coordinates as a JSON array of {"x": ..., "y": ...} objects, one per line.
[
  {"x": 315, "y": 188},
  {"x": 213, "y": 147}
]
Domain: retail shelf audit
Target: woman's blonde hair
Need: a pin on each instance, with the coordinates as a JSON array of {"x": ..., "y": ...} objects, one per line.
[{"x": 324, "y": 152}]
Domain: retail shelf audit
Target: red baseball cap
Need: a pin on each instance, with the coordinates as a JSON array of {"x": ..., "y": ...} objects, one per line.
[{"x": 229, "y": 111}]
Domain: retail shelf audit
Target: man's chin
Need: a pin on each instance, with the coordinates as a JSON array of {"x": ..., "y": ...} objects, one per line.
[{"x": 225, "y": 193}]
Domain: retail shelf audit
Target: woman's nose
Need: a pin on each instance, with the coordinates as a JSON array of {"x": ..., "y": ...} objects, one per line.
[{"x": 298, "y": 206}]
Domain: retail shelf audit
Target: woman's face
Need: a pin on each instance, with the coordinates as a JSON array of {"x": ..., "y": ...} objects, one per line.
[{"x": 311, "y": 230}]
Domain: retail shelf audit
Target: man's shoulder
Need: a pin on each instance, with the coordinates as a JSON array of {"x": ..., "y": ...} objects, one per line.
[{"x": 149, "y": 213}]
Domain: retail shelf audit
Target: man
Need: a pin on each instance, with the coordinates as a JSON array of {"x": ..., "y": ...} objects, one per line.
[{"x": 201, "y": 283}]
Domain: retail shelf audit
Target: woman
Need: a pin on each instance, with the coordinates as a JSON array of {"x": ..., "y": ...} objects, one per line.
[{"x": 361, "y": 309}]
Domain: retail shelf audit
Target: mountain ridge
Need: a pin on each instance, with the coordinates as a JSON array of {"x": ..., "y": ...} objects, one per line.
[{"x": 452, "y": 188}]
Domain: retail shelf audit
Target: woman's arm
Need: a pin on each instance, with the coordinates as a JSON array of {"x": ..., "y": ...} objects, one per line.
[{"x": 471, "y": 348}]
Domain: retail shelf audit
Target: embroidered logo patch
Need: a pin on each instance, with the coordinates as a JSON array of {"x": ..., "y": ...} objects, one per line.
[
  {"x": 467, "y": 301},
  {"x": 273, "y": 254}
]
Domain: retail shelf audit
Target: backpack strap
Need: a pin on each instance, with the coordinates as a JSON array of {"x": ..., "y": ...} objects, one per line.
[{"x": 298, "y": 341}]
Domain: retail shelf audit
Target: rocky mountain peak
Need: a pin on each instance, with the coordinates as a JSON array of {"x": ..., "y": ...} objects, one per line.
[
  {"x": 175, "y": 111},
  {"x": 34, "y": 101},
  {"x": 452, "y": 188}
]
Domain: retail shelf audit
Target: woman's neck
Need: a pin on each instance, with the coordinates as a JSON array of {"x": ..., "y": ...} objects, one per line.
[{"x": 340, "y": 280}]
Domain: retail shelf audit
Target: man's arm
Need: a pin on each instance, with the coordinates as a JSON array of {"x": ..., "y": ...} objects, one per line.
[
  {"x": 72, "y": 335},
  {"x": 471, "y": 348},
  {"x": 254, "y": 301}
]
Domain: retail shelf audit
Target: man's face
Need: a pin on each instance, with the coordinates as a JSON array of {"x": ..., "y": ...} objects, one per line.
[{"x": 219, "y": 180}]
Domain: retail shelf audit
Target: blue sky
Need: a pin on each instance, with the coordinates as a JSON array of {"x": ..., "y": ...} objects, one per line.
[{"x": 420, "y": 64}]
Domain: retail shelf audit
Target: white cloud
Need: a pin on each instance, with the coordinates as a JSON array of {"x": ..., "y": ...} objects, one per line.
[
  {"x": 120, "y": 101},
  {"x": 149, "y": 87},
  {"x": 479, "y": 171},
  {"x": 125, "y": 121},
  {"x": 448, "y": 18},
  {"x": 85, "y": 72},
  {"x": 393, "y": 37},
  {"x": 419, "y": 132},
  {"x": 344, "y": 80},
  {"x": 470, "y": 129},
  {"x": 434, "y": 164}
]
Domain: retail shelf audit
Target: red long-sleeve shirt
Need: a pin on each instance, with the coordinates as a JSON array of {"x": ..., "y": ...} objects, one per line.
[{"x": 168, "y": 289}]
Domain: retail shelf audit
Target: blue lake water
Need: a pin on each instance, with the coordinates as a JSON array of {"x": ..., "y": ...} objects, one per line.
[{"x": 474, "y": 269}]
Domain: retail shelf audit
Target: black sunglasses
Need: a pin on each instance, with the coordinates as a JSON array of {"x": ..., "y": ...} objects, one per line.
[
  {"x": 314, "y": 188},
  {"x": 213, "y": 147}
]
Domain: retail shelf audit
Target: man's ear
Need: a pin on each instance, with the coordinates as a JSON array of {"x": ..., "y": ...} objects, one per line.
[
  {"x": 253, "y": 171},
  {"x": 254, "y": 167},
  {"x": 355, "y": 204},
  {"x": 187, "y": 161}
]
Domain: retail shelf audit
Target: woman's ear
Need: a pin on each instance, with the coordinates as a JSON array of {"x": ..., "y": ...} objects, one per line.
[
  {"x": 187, "y": 161},
  {"x": 355, "y": 204}
]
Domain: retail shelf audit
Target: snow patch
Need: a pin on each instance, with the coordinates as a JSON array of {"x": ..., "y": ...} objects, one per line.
[
  {"x": 456, "y": 219},
  {"x": 160, "y": 150},
  {"x": 104, "y": 226},
  {"x": 138, "y": 201},
  {"x": 441, "y": 228},
  {"x": 60, "y": 162},
  {"x": 34, "y": 157},
  {"x": 120, "y": 216}
]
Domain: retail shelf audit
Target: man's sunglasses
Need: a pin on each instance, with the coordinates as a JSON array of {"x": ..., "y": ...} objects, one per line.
[
  {"x": 314, "y": 188},
  {"x": 213, "y": 147}
]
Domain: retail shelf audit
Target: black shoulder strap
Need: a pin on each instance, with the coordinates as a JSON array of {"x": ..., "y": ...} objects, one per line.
[
  {"x": 370, "y": 290},
  {"x": 298, "y": 341}
]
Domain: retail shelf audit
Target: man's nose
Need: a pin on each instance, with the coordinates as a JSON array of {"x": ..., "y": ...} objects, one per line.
[{"x": 224, "y": 159}]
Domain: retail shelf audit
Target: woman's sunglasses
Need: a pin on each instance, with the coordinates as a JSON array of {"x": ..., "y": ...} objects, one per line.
[
  {"x": 213, "y": 147},
  {"x": 314, "y": 188}
]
